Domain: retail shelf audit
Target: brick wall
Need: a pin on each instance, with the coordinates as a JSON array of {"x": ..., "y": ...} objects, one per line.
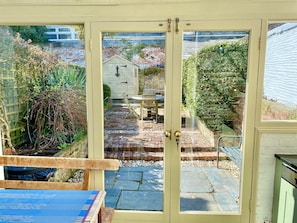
[{"x": 270, "y": 144}]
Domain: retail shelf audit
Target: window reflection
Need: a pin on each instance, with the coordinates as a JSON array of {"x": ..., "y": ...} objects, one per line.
[{"x": 280, "y": 75}]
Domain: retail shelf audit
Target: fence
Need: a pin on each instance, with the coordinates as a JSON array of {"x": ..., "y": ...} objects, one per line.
[{"x": 10, "y": 101}]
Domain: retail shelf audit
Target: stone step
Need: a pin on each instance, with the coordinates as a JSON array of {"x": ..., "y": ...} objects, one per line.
[
  {"x": 133, "y": 148},
  {"x": 158, "y": 156}
]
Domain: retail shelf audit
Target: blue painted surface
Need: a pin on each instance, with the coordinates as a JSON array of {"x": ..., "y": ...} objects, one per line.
[{"x": 45, "y": 206}]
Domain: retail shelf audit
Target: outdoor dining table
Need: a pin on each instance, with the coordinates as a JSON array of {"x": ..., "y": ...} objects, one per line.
[
  {"x": 50, "y": 206},
  {"x": 143, "y": 98}
]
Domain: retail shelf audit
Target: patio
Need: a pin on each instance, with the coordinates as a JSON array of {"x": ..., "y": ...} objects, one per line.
[
  {"x": 133, "y": 139},
  {"x": 138, "y": 184},
  {"x": 202, "y": 189}
]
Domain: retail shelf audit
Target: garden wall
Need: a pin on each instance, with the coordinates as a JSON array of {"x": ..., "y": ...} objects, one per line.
[{"x": 76, "y": 150}]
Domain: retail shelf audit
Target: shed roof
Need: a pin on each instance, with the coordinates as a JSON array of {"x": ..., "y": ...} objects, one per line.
[{"x": 117, "y": 57}]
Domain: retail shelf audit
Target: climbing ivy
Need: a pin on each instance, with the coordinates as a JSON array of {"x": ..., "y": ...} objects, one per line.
[{"x": 213, "y": 80}]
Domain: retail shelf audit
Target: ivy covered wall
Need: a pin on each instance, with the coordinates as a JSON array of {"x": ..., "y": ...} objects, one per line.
[{"x": 214, "y": 82}]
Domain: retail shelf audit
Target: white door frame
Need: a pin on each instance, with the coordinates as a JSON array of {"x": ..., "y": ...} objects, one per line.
[{"x": 173, "y": 70}]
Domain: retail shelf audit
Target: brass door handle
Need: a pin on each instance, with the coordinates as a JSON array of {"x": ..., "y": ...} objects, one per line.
[
  {"x": 177, "y": 134},
  {"x": 167, "y": 133}
]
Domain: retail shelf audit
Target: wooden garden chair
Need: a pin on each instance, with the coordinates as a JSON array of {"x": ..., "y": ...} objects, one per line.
[{"x": 132, "y": 109}]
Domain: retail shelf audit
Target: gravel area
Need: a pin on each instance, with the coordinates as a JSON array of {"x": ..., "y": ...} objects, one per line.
[{"x": 224, "y": 164}]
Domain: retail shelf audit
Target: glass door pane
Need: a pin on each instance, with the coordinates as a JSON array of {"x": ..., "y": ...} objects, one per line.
[
  {"x": 213, "y": 98},
  {"x": 134, "y": 90}
]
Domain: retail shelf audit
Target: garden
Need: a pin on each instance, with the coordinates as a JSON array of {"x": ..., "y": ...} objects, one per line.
[
  {"x": 43, "y": 100},
  {"x": 50, "y": 99}
]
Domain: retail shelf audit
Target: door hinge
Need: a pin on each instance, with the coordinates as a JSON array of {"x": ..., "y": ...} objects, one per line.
[
  {"x": 177, "y": 25},
  {"x": 169, "y": 25}
]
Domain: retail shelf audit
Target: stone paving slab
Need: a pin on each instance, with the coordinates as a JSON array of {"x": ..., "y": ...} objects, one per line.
[
  {"x": 152, "y": 180},
  {"x": 110, "y": 177},
  {"x": 111, "y": 201},
  {"x": 126, "y": 185},
  {"x": 141, "y": 168},
  {"x": 226, "y": 202},
  {"x": 112, "y": 197},
  {"x": 141, "y": 201},
  {"x": 129, "y": 176},
  {"x": 202, "y": 189},
  {"x": 153, "y": 175},
  {"x": 113, "y": 192},
  {"x": 222, "y": 180},
  {"x": 198, "y": 202},
  {"x": 151, "y": 186},
  {"x": 195, "y": 181}
]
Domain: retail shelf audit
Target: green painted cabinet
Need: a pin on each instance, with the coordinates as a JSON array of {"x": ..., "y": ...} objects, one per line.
[
  {"x": 285, "y": 191},
  {"x": 287, "y": 209}
]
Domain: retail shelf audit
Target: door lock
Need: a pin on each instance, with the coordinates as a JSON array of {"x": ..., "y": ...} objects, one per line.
[{"x": 177, "y": 135}]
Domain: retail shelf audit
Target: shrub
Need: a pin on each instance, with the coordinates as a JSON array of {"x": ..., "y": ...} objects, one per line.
[
  {"x": 55, "y": 115},
  {"x": 151, "y": 70},
  {"x": 53, "y": 95},
  {"x": 218, "y": 79},
  {"x": 106, "y": 91}
]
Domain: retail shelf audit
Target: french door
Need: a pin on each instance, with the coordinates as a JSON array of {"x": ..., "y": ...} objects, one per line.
[{"x": 168, "y": 155}]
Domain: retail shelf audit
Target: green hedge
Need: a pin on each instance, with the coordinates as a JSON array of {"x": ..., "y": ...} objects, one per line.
[
  {"x": 213, "y": 80},
  {"x": 106, "y": 91}
]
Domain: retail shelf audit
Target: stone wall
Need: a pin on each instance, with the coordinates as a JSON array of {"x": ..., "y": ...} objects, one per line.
[{"x": 75, "y": 150}]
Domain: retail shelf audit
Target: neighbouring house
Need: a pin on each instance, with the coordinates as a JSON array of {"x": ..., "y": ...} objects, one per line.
[
  {"x": 281, "y": 69},
  {"x": 59, "y": 33},
  {"x": 121, "y": 76}
]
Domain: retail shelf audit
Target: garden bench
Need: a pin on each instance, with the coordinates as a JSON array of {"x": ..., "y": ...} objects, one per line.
[
  {"x": 233, "y": 151},
  {"x": 86, "y": 164}
]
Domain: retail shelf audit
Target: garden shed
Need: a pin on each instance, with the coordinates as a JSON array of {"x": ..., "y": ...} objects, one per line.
[{"x": 121, "y": 76}]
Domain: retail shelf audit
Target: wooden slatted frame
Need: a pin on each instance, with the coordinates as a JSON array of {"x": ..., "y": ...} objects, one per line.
[{"x": 86, "y": 164}]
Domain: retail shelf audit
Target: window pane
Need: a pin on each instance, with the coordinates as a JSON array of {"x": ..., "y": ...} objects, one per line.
[
  {"x": 64, "y": 29},
  {"x": 42, "y": 92},
  {"x": 51, "y": 29},
  {"x": 64, "y": 36},
  {"x": 213, "y": 99},
  {"x": 280, "y": 75},
  {"x": 134, "y": 84}
]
